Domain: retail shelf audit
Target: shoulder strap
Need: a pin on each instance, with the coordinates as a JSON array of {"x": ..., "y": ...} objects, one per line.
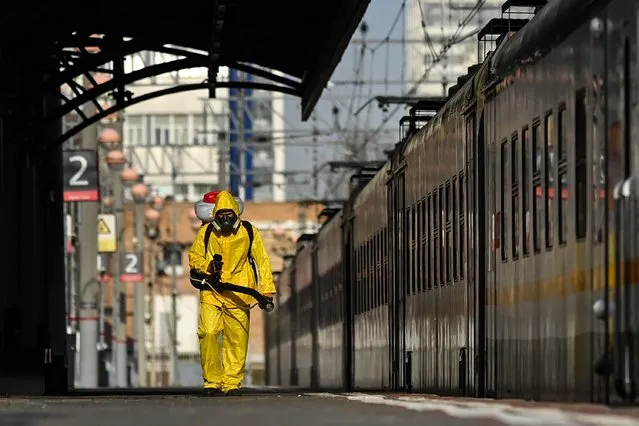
[
  {"x": 249, "y": 229},
  {"x": 207, "y": 235}
]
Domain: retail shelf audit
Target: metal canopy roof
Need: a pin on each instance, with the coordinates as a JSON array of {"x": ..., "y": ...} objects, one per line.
[{"x": 304, "y": 40}]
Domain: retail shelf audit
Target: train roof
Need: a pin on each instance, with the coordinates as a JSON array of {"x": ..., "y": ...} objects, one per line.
[
  {"x": 365, "y": 192},
  {"x": 461, "y": 96},
  {"x": 549, "y": 27}
]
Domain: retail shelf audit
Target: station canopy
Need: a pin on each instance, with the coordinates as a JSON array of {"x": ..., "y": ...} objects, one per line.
[{"x": 303, "y": 39}]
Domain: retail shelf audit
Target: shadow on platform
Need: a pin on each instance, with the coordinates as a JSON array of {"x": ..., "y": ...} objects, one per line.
[{"x": 175, "y": 391}]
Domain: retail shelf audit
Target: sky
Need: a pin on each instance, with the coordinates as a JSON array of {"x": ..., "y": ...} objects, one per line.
[{"x": 381, "y": 62}]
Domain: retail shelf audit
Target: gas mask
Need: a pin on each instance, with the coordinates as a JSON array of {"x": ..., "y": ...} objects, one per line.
[{"x": 226, "y": 221}]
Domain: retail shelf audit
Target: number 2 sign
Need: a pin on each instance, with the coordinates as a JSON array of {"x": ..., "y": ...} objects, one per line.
[
  {"x": 80, "y": 169},
  {"x": 131, "y": 267}
]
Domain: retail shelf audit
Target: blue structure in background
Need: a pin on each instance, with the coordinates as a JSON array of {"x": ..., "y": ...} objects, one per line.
[
  {"x": 248, "y": 136},
  {"x": 234, "y": 137}
]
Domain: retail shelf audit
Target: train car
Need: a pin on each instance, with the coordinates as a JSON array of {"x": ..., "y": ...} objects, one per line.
[
  {"x": 332, "y": 352},
  {"x": 366, "y": 239},
  {"x": 285, "y": 318},
  {"x": 272, "y": 339},
  {"x": 304, "y": 330},
  {"x": 551, "y": 114},
  {"x": 471, "y": 262}
]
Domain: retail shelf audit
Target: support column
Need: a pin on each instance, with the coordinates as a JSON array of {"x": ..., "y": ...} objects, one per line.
[
  {"x": 88, "y": 285},
  {"x": 279, "y": 154},
  {"x": 140, "y": 302},
  {"x": 49, "y": 177},
  {"x": 119, "y": 302}
]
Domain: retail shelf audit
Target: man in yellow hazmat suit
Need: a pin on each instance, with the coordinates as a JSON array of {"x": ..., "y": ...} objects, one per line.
[{"x": 224, "y": 311}]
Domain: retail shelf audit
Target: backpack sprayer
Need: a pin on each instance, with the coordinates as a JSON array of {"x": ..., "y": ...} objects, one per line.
[{"x": 214, "y": 282}]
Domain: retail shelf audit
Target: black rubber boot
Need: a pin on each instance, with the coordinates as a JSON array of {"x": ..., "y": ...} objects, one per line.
[
  {"x": 212, "y": 392},
  {"x": 234, "y": 392}
]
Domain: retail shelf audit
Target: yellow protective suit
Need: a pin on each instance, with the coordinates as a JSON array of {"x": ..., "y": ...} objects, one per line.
[{"x": 227, "y": 312}]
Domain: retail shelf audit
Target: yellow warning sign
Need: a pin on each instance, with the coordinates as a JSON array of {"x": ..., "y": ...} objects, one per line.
[
  {"x": 103, "y": 229},
  {"x": 106, "y": 233}
]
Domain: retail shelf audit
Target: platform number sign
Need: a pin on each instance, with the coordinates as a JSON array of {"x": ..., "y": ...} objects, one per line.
[
  {"x": 81, "y": 182},
  {"x": 131, "y": 267}
]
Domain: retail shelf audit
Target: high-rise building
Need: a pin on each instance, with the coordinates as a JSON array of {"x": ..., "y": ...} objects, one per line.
[{"x": 450, "y": 26}]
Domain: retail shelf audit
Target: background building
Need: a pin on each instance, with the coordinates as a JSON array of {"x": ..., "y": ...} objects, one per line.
[{"x": 185, "y": 144}]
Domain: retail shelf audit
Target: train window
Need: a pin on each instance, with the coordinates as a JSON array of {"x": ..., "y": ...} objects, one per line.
[
  {"x": 549, "y": 184},
  {"x": 418, "y": 248},
  {"x": 442, "y": 232},
  {"x": 455, "y": 240},
  {"x": 429, "y": 227},
  {"x": 369, "y": 275},
  {"x": 436, "y": 247},
  {"x": 502, "y": 205},
  {"x": 408, "y": 258},
  {"x": 581, "y": 208},
  {"x": 536, "y": 189},
  {"x": 514, "y": 197},
  {"x": 524, "y": 190},
  {"x": 413, "y": 250},
  {"x": 562, "y": 169},
  {"x": 423, "y": 266},
  {"x": 448, "y": 235},
  {"x": 462, "y": 219},
  {"x": 599, "y": 176}
]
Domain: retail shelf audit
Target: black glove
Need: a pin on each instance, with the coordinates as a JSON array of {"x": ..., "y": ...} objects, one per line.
[{"x": 215, "y": 267}]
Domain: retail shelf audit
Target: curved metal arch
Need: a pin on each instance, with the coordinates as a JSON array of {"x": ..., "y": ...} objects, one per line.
[
  {"x": 90, "y": 61},
  {"x": 114, "y": 83},
  {"x": 168, "y": 91},
  {"x": 235, "y": 65},
  {"x": 192, "y": 61}
]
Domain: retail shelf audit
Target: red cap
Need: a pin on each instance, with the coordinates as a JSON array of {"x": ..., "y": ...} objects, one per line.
[{"x": 210, "y": 197}]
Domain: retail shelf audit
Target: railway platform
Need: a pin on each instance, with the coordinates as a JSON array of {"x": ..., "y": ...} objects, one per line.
[{"x": 279, "y": 407}]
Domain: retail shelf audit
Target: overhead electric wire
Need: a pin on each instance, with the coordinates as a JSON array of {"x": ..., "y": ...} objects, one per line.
[
  {"x": 442, "y": 53},
  {"x": 453, "y": 40}
]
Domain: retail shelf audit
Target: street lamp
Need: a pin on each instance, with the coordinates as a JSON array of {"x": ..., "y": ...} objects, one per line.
[
  {"x": 107, "y": 201},
  {"x": 157, "y": 203},
  {"x": 130, "y": 177},
  {"x": 110, "y": 139},
  {"x": 115, "y": 160},
  {"x": 139, "y": 192},
  {"x": 152, "y": 217}
]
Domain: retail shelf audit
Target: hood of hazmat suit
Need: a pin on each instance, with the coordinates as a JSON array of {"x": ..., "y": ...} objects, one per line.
[
  {"x": 204, "y": 207},
  {"x": 227, "y": 312}
]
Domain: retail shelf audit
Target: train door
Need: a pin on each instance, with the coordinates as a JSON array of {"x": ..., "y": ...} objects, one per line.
[
  {"x": 475, "y": 252},
  {"x": 622, "y": 248},
  {"x": 493, "y": 224},
  {"x": 348, "y": 347},
  {"x": 397, "y": 282}
]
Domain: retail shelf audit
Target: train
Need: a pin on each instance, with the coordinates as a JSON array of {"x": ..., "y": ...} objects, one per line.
[{"x": 494, "y": 253}]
